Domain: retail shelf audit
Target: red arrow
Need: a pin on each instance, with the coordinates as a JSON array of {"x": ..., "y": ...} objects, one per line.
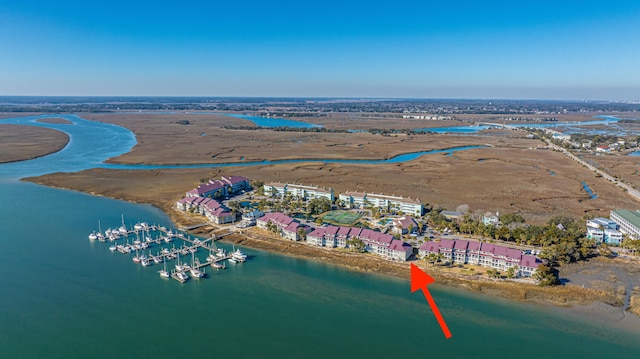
[{"x": 420, "y": 280}]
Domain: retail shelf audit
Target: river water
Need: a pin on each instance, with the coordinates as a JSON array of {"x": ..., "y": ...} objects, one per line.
[{"x": 64, "y": 296}]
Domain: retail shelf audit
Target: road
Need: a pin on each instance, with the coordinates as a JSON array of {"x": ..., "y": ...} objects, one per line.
[{"x": 635, "y": 194}]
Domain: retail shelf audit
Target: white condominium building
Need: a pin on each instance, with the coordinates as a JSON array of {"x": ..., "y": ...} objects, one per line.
[
  {"x": 629, "y": 222},
  {"x": 385, "y": 202},
  {"x": 298, "y": 191}
]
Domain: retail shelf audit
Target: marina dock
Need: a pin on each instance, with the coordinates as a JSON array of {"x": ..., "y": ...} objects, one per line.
[{"x": 158, "y": 245}]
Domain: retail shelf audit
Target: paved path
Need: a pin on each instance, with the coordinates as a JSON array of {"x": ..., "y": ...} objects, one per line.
[{"x": 635, "y": 194}]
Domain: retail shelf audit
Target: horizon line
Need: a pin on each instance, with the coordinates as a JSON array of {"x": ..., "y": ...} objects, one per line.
[{"x": 377, "y": 98}]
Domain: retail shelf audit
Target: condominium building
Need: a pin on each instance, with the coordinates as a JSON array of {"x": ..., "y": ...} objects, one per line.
[
  {"x": 286, "y": 226},
  {"x": 379, "y": 243},
  {"x": 384, "y": 202},
  {"x": 629, "y": 222},
  {"x": 484, "y": 254},
  {"x": 298, "y": 191}
]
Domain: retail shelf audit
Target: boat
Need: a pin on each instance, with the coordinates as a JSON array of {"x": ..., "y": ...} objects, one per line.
[
  {"x": 163, "y": 272},
  {"x": 196, "y": 273},
  {"x": 145, "y": 261},
  {"x": 218, "y": 265},
  {"x": 179, "y": 267},
  {"x": 239, "y": 256},
  {"x": 136, "y": 258},
  {"x": 180, "y": 276},
  {"x": 113, "y": 248},
  {"x": 123, "y": 229},
  {"x": 93, "y": 236}
]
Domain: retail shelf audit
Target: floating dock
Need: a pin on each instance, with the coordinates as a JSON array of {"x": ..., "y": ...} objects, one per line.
[{"x": 142, "y": 240}]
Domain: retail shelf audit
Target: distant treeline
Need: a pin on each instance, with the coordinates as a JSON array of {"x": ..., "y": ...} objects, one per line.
[
  {"x": 375, "y": 131},
  {"x": 309, "y": 107}
]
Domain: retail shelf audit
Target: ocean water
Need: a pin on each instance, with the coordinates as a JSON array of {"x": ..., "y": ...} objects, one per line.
[{"x": 64, "y": 296}]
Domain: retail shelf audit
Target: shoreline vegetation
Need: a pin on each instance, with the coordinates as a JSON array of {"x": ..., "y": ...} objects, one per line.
[{"x": 604, "y": 306}]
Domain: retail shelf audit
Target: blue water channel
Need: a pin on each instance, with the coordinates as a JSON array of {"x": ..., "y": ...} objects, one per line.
[
  {"x": 91, "y": 143},
  {"x": 570, "y": 127},
  {"x": 586, "y": 187}
]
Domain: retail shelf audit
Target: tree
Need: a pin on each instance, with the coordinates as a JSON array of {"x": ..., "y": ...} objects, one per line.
[
  {"x": 234, "y": 206},
  {"x": 356, "y": 244},
  {"x": 493, "y": 273},
  {"x": 319, "y": 205},
  {"x": 509, "y": 218},
  {"x": 546, "y": 276},
  {"x": 512, "y": 272},
  {"x": 431, "y": 258},
  {"x": 302, "y": 234},
  {"x": 502, "y": 233}
]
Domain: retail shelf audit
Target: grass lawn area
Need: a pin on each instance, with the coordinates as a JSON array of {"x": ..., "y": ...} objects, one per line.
[{"x": 341, "y": 217}]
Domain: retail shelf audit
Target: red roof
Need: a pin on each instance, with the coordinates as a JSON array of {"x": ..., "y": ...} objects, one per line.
[
  {"x": 461, "y": 245},
  {"x": 234, "y": 179},
  {"x": 331, "y": 230},
  {"x": 447, "y": 243},
  {"x": 473, "y": 246},
  {"x": 530, "y": 261},
  {"x": 431, "y": 246},
  {"x": 398, "y": 245},
  {"x": 317, "y": 233},
  {"x": 344, "y": 231}
]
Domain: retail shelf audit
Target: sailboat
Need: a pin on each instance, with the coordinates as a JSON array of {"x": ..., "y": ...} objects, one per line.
[
  {"x": 123, "y": 228},
  {"x": 179, "y": 267},
  {"x": 194, "y": 271},
  {"x": 163, "y": 272},
  {"x": 136, "y": 258}
]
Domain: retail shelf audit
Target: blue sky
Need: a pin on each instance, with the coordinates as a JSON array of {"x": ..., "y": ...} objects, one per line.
[{"x": 422, "y": 49}]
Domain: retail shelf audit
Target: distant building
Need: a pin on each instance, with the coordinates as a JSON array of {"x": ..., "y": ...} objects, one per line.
[
  {"x": 483, "y": 254},
  {"x": 219, "y": 188},
  {"x": 628, "y": 222},
  {"x": 384, "y": 202},
  {"x": 603, "y": 230},
  {"x": 298, "y": 191},
  {"x": 404, "y": 225},
  {"x": 491, "y": 219}
]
